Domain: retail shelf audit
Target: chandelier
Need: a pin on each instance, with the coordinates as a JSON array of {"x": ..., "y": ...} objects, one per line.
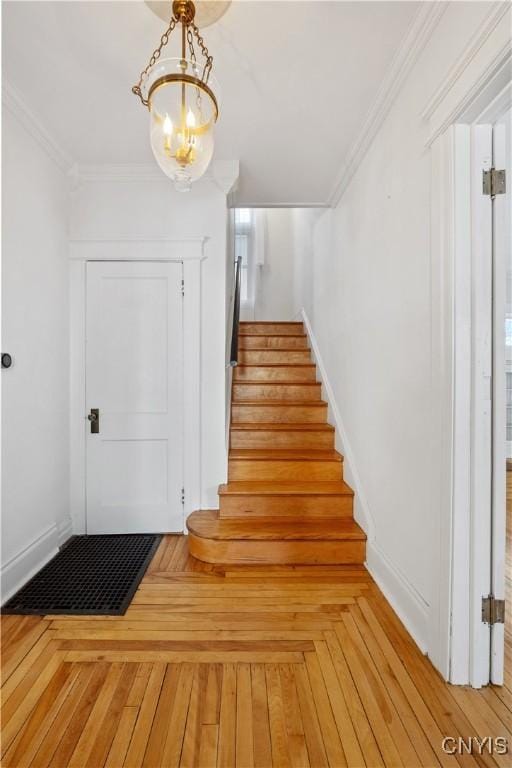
[{"x": 179, "y": 93}]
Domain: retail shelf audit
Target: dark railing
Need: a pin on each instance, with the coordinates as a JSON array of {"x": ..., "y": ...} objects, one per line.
[{"x": 236, "y": 313}]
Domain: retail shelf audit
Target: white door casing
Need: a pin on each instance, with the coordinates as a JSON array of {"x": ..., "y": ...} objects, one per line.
[
  {"x": 476, "y": 91},
  {"x": 481, "y": 402},
  {"x": 502, "y": 258},
  {"x": 134, "y": 376}
]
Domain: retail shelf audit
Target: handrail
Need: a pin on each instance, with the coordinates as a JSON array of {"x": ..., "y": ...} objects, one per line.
[{"x": 236, "y": 313}]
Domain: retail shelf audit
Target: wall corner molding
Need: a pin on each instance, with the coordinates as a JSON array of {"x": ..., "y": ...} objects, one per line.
[
  {"x": 13, "y": 101},
  {"x": 420, "y": 31},
  {"x": 28, "y": 561}
]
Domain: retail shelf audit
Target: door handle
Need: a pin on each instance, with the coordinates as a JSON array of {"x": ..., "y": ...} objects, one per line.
[{"x": 94, "y": 418}]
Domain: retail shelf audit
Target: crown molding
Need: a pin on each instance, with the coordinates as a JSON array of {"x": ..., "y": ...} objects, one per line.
[
  {"x": 493, "y": 18},
  {"x": 424, "y": 23},
  {"x": 223, "y": 174},
  {"x": 13, "y": 101},
  {"x": 122, "y": 172}
]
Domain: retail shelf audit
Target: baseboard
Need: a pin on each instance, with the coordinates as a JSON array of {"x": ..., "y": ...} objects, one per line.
[
  {"x": 406, "y": 602},
  {"x": 20, "y": 568},
  {"x": 362, "y": 514},
  {"x": 65, "y": 531}
]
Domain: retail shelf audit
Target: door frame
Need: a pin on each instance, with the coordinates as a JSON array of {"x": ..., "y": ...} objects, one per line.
[
  {"x": 191, "y": 253},
  {"x": 477, "y": 91}
]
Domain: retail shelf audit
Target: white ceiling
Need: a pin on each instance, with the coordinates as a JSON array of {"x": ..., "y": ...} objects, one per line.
[{"x": 297, "y": 81}]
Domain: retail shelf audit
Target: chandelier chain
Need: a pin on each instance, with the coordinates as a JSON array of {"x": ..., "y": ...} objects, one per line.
[
  {"x": 154, "y": 58},
  {"x": 204, "y": 50},
  {"x": 190, "y": 40}
]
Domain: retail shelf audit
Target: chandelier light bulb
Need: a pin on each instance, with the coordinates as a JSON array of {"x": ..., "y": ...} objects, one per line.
[{"x": 167, "y": 127}]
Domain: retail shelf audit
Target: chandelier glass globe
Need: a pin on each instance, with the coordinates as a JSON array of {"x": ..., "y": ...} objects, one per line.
[{"x": 183, "y": 112}]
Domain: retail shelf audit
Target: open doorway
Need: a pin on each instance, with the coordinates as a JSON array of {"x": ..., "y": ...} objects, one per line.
[{"x": 272, "y": 245}]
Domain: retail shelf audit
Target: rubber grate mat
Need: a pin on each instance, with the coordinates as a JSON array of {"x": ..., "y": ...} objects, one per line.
[{"x": 90, "y": 575}]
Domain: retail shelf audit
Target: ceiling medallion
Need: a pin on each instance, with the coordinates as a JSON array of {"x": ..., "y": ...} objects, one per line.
[{"x": 180, "y": 96}]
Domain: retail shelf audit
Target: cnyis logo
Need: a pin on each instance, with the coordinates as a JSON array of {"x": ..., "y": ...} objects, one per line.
[{"x": 475, "y": 745}]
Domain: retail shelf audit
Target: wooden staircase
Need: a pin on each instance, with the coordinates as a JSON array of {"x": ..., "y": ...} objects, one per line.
[{"x": 285, "y": 500}]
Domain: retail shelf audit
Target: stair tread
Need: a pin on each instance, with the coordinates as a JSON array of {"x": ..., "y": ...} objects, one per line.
[
  {"x": 207, "y": 524},
  {"x": 286, "y": 488},
  {"x": 276, "y": 365},
  {"x": 284, "y": 454},
  {"x": 242, "y": 426},
  {"x": 245, "y": 323},
  {"x": 280, "y": 403},
  {"x": 247, "y": 332},
  {"x": 284, "y": 383}
]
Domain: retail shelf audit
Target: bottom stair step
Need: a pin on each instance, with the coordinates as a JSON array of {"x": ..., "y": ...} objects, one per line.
[{"x": 274, "y": 540}]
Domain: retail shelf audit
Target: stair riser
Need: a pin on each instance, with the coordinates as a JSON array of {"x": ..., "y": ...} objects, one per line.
[
  {"x": 277, "y": 552},
  {"x": 276, "y": 392},
  {"x": 298, "y": 373},
  {"x": 285, "y": 506},
  {"x": 272, "y": 342},
  {"x": 242, "y": 469},
  {"x": 272, "y": 356},
  {"x": 247, "y": 438},
  {"x": 271, "y": 329},
  {"x": 279, "y": 414}
]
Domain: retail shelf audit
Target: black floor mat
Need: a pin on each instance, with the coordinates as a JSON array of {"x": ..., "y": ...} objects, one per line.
[{"x": 90, "y": 575}]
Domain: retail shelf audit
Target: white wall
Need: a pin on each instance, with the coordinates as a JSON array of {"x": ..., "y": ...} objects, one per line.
[
  {"x": 273, "y": 281},
  {"x": 35, "y": 402},
  {"x": 366, "y": 291},
  {"x": 136, "y": 210}
]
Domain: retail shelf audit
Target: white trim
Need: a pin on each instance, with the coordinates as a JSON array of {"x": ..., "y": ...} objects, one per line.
[
  {"x": 191, "y": 253},
  {"x": 143, "y": 249},
  {"x": 410, "y": 607},
  {"x": 477, "y": 84},
  {"x": 496, "y": 13},
  {"x": 362, "y": 513},
  {"x": 440, "y": 438},
  {"x": 28, "y": 561},
  {"x": 64, "y": 530},
  {"x": 419, "y": 33},
  {"x": 223, "y": 173},
  {"x": 119, "y": 172},
  {"x": 479, "y": 75},
  {"x": 13, "y": 101}
]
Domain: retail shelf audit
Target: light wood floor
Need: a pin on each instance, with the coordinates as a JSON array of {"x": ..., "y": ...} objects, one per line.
[
  {"x": 240, "y": 666},
  {"x": 508, "y": 593}
]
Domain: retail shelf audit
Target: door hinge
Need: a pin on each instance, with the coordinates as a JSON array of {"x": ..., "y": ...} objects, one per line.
[
  {"x": 494, "y": 182},
  {"x": 182, "y": 287},
  {"x": 182, "y": 495},
  {"x": 493, "y": 610}
]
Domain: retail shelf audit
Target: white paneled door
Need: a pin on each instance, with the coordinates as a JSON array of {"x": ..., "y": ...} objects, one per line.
[{"x": 134, "y": 396}]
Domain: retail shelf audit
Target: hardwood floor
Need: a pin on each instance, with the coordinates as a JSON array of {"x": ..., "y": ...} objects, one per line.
[{"x": 236, "y": 666}]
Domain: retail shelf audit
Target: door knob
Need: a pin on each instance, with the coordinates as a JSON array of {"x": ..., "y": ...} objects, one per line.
[{"x": 94, "y": 418}]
